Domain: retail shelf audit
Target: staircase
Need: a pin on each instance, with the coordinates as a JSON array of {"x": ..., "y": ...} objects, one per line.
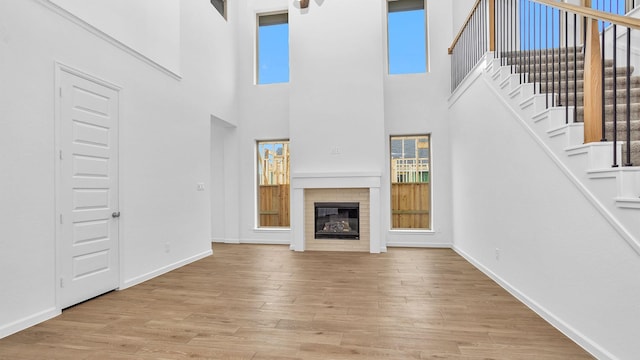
[
  {"x": 544, "y": 88},
  {"x": 549, "y": 74},
  {"x": 549, "y": 114}
]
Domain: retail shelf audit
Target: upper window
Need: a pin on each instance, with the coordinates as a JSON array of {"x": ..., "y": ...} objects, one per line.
[
  {"x": 273, "y": 48},
  {"x": 407, "y": 32},
  {"x": 410, "y": 182},
  {"x": 221, "y": 6}
]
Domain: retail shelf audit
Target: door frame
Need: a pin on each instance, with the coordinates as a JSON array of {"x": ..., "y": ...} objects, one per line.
[{"x": 61, "y": 68}]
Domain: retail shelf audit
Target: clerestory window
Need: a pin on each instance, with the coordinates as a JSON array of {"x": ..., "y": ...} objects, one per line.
[
  {"x": 406, "y": 36},
  {"x": 273, "y": 49}
]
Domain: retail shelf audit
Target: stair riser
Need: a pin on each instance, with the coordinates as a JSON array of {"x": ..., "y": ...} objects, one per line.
[
  {"x": 555, "y": 65},
  {"x": 621, "y": 99},
  {"x": 534, "y": 76},
  {"x": 622, "y": 136},
  {"x": 635, "y": 155},
  {"x": 621, "y": 84}
]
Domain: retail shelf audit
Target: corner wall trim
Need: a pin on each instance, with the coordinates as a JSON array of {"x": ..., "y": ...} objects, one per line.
[
  {"x": 579, "y": 338},
  {"x": 108, "y": 38}
]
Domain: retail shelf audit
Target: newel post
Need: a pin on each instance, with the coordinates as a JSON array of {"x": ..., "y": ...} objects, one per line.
[{"x": 592, "y": 83}]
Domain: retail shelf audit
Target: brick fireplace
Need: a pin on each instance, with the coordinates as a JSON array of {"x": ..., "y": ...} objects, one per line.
[{"x": 307, "y": 189}]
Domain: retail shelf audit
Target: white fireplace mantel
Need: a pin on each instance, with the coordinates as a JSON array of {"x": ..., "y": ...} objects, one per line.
[{"x": 332, "y": 180}]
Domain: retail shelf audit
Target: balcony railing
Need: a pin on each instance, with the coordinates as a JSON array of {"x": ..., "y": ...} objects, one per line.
[{"x": 578, "y": 57}]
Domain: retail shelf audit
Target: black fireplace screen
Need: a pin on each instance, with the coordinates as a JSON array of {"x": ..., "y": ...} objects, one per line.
[{"x": 337, "y": 220}]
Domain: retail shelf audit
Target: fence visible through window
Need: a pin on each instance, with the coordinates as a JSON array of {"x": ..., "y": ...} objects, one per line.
[
  {"x": 273, "y": 184},
  {"x": 410, "y": 182}
]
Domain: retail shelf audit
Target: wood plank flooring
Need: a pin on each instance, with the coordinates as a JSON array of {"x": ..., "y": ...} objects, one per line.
[{"x": 266, "y": 302}]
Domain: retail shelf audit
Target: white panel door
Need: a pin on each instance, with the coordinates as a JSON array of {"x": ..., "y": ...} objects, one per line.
[{"x": 88, "y": 189}]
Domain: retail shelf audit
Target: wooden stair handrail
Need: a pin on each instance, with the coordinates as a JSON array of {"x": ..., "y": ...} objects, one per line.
[
  {"x": 590, "y": 13},
  {"x": 466, "y": 22}
]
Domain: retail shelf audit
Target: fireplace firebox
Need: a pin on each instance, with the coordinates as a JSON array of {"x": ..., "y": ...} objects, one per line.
[{"x": 337, "y": 220}]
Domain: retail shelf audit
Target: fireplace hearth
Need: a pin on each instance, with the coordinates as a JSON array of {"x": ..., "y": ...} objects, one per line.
[{"x": 337, "y": 220}]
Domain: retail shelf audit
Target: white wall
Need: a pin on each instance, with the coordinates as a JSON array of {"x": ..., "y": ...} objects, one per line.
[
  {"x": 461, "y": 9},
  {"x": 556, "y": 252},
  {"x": 337, "y": 94},
  {"x": 417, "y": 104},
  {"x": 340, "y": 95},
  {"x": 164, "y": 147},
  {"x": 151, "y": 27}
]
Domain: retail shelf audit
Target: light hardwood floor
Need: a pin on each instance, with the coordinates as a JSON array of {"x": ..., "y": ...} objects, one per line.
[{"x": 266, "y": 302}]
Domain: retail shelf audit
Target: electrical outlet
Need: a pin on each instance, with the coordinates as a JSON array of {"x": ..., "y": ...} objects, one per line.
[
  {"x": 497, "y": 254},
  {"x": 200, "y": 186}
]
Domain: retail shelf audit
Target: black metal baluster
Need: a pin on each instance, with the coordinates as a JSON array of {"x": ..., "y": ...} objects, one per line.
[
  {"x": 546, "y": 56},
  {"x": 603, "y": 79},
  {"x": 514, "y": 32},
  {"x": 566, "y": 65},
  {"x": 575, "y": 68},
  {"x": 522, "y": 43},
  {"x": 553, "y": 63},
  {"x": 532, "y": 46},
  {"x": 628, "y": 162},
  {"x": 615, "y": 98},
  {"x": 539, "y": 52},
  {"x": 559, "y": 58}
]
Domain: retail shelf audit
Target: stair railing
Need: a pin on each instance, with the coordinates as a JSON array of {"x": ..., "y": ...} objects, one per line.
[
  {"x": 545, "y": 42},
  {"x": 474, "y": 39}
]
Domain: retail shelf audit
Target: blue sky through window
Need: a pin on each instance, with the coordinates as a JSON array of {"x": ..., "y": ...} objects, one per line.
[
  {"x": 273, "y": 53},
  {"x": 407, "y": 42}
]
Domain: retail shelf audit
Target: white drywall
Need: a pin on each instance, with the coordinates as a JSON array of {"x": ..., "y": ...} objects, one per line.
[
  {"x": 461, "y": 9},
  {"x": 340, "y": 96},
  {"x": 417, "y": 104},
  {"x": 151, "y": 27},
  {"x": 336, "y": 103},
  {"x": 518, "y": 217},
  {"x": 164, "y": 147}
]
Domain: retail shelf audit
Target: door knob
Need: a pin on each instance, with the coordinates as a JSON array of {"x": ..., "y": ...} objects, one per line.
[{"x": 116, "y": 214}]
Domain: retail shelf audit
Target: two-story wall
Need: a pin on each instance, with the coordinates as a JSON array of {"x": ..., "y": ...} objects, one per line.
[
  {"x": 338, "y": 110},
  {"x": 174, "y": 66}
]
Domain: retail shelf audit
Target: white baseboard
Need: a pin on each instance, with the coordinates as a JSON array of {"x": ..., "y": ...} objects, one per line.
[
  {"x": 417, "y": 244},
  {"x": 573, "y": 334},
  {"x": 251, "y": 241},
  {"x": 28, "y": 321},
  {"x": 163, "y": 270},
  {"x": 265, "y": 242}
]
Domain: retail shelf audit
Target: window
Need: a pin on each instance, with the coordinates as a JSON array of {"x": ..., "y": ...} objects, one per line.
[
  {"x": 273, "y": 49},
  {"x": 410, "y": 182},
  {"x": 221, "y": 6},
  {"x": 406, "y": 32},
  {"x": 273, "y": 183}
]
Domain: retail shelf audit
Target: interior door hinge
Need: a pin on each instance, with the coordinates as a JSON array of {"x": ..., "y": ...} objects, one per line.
[
  {"x": 61, "y": 282},
  {"x": 60, "y": 91},
  {"x": 60, "y": 154},
  {"x": 60, "y": 218}
]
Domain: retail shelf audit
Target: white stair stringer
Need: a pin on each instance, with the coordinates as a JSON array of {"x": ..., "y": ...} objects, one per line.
[{"x": 615, "y": 192}]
